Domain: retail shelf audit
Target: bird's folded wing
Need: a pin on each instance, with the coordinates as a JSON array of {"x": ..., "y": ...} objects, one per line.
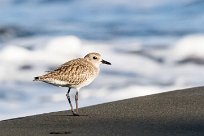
[{"x": 71, "y": 72}]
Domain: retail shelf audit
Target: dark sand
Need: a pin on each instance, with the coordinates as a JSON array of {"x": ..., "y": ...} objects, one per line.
[{"x": 176, "y": 113}]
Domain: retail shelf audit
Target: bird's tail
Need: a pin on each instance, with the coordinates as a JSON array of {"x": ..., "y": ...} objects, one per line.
[{"x": 36, "y": 78}]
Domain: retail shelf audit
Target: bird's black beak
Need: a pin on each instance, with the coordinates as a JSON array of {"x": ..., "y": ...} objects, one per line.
[{"x": 106, "y": 62}]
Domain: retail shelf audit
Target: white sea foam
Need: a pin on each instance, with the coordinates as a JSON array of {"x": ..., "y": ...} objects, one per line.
[{"x": 189, "y": 46}]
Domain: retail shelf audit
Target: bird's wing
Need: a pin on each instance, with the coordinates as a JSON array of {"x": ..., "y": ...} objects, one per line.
[{"x": 72, "y": 72}]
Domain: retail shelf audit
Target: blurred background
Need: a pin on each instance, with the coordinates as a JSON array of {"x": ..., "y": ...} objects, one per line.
[{"x": 154, "y": 46}]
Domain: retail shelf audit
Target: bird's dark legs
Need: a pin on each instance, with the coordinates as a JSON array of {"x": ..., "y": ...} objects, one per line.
[
  {"x": 76, "y": 101},
  {"x": 69, "y": 100},
  {"x": 70, "y": 103}
]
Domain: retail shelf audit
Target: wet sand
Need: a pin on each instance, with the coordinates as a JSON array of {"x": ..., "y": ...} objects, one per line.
[{"x": 175, "y": 113}]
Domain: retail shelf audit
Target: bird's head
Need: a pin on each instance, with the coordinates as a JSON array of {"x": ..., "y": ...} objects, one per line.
[{"x": 95, "y": 58}]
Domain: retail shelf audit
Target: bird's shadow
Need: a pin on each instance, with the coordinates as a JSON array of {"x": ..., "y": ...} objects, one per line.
[{"x": 64, "y": 115}]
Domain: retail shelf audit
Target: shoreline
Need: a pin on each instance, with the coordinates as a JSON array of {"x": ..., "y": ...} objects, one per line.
[{"x": 177, "y": 112}]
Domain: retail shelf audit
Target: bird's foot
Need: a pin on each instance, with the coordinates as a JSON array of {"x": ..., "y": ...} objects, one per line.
[{"x": 75, "y": 114}]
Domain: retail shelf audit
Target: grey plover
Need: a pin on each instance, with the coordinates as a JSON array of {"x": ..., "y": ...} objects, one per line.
[{"x": 76, "y": 74}]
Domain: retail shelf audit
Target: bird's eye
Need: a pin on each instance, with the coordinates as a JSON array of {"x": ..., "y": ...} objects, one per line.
[{"x": 94, "y": 57}]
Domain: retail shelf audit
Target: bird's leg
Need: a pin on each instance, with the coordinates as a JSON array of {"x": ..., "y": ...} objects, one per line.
[
  {"x": 76, "y": 101},
  {"x": 69, "y": 100}
]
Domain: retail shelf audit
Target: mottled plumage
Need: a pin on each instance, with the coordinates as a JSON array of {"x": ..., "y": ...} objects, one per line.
[
  {"x": 71, "y": 74},
  {"x": 76, "y": 73}
]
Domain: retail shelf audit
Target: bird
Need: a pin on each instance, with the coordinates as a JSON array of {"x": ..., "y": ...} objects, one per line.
[{"x": 76, "y": 74}]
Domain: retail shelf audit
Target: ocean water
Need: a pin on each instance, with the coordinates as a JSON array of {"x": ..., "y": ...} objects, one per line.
[{"x": 154, "y": 46}]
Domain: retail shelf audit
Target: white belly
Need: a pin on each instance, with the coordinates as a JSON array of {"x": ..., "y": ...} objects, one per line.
[{"x": 85, "y": 83}]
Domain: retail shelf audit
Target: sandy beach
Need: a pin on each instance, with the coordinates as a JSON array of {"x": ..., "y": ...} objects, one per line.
[{"x": 178, "y": 113}]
